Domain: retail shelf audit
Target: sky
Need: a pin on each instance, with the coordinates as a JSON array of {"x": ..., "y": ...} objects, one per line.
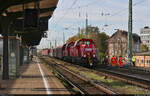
[{"x": 71, "y": 14}]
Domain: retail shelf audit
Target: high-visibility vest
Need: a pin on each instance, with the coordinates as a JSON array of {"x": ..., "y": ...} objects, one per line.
[
  {"x": 106, "y": 56},
  {"x": 133, "y": 58},
  {"x": 120, "y": 61},
  {"x": 113, "y": 59}
]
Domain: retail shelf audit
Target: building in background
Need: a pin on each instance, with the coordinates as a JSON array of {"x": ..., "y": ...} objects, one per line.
[
  {"x": 145, "y": 36},
  {"x": 118, "y": 44},
  {"x": 143, "y": 59}
]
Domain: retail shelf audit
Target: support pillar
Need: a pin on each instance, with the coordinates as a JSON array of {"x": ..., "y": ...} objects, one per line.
[
  {"x": 21, "y": 55},
  {"x": 5, "y": 26},
  {"x": 28, "y": 55}
]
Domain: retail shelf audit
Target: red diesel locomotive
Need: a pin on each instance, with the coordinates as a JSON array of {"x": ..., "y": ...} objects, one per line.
[
  {"x": 80, "y": 52},
  {"x": 83, "y": 52}
]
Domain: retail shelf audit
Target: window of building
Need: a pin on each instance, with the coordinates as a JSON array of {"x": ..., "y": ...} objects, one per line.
[
  {"x": 138, "y": 61},
  {"x": 142, "y": 61},
  {"x": 141, "y": 36},
  {"x": 148, "y": 61},
  {"x": 137, "y": 47}
]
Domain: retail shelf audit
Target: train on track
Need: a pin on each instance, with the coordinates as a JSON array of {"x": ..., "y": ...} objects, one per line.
[{"x": 81, "y": 52}]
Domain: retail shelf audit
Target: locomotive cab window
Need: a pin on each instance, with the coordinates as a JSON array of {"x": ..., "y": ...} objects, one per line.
[{"x": 85, "y": 42}]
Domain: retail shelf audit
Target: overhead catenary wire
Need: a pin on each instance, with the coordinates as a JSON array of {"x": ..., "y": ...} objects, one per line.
[
  {"x": 123, "y": 10},
  {"x": 81, "y": 6},
  {"x": 73, "y": 4},
  {"x": 86, "y": 5},
  {"x": 116, "y": 13},
  {"x": 71, "y": 8},
  {"x": 59, "y": 20}
]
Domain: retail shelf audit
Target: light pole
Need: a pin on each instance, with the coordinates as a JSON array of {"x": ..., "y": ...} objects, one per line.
[{"x": 86, "y": 24}]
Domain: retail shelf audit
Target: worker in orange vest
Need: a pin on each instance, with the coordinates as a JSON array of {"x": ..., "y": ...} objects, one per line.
[
  {"x": 120, "y": 61},
  {"x": 113, "y": 60}
]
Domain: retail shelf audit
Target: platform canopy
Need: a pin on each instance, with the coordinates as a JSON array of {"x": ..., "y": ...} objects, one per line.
[
  {"x": 31, "y": 36},
  {"x": 47, "y": 5}
]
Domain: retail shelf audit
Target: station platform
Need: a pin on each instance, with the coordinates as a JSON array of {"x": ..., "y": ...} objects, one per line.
[{"x": 35, "y": 78}]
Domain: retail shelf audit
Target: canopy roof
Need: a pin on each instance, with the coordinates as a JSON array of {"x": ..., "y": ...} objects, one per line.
[
  {"x": 48, "y": 5},
  {"x": 46, "y": 9}
]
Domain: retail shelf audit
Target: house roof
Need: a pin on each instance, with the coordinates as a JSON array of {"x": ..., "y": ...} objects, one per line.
[
  {"x": 147, "y": 53},
  {"x": 135, "y": 36}
]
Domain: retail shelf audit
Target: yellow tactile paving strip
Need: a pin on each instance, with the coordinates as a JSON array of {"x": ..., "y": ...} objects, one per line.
[{"x": 31, "y": 82}]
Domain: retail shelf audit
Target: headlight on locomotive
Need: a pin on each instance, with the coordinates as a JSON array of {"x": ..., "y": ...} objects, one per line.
[{"x": 94, "y": 55}]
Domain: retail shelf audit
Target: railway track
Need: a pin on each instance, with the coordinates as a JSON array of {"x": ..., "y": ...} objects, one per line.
[
  {"x": 135, "y": 82},
  {"x": 132, "y": 71},
  {"x": 84, "y": 85},
  {"x": 127, "y": 77},
  {"x": 135, "y": 70}
]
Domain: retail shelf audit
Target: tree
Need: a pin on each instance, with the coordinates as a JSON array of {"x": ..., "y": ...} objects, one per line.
[
  {"x": 93, "y": 29},
  {"x": 91, "y": 32},
  {"x": 71, "y": 39},
  {"x": 90, "y": 29},
  {"x": 103, "y": 37},
  {"x": 144, "y": 48}
]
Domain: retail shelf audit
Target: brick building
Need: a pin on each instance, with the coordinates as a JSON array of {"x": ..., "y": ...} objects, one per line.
[{"x": 118, "y": 44}]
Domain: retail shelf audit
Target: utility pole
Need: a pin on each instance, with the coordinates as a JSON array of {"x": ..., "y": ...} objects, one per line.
[
  {"x": 79, "y": 25},
  {"x": 50, "y": 45},
  {"x": 55, "y": 43},
  {"x": 79, "y": 32},
  {"x": 130, "y": 34},
  {"x": 86, "y": 25},
  {"x": 63, "y": 37},
  {"x": 82, "y": 33}
]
